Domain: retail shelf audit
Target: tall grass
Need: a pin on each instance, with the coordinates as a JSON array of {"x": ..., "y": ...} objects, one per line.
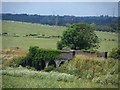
[
  {"x": 25, "y": 78},
  {"x": 103, "y": 71},
  {"x": 22, "y": 72}
]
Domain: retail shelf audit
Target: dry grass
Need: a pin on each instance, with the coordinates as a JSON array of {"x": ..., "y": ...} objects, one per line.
[
  {"x": 11, "y": 53},
  {"x": 89, "y": 57}
]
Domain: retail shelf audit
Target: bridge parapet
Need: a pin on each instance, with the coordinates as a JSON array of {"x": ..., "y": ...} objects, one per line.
[{"x": 67, "y": 55}]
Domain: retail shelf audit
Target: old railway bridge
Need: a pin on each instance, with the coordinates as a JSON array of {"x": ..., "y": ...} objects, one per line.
[{"x": 67, "y": 55}]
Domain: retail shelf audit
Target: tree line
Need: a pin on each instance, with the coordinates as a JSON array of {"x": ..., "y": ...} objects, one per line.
[{"x": 103, "y": 23}]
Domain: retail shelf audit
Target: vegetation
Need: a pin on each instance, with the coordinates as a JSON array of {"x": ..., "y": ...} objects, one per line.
[
  {"x": 13, "y": 62},
  {"x": 36, "y": 57},
  {"x": 115, "y": 53},
  {"x": 49, "y": 68},
  {"x": 93, "y": 69},
  {"x": 108, "y": 23},
  {"x": 26, "y": 42},
  {"x": 80, "y": 72},
  {"x": 79, "y": 36},
  {"x": 23, "y": 29},
  {"x": 25, "y": 78}
]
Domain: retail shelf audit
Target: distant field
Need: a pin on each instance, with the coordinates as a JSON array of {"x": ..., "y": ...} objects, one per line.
[
  {"x": 26, "y": 42},
  {"x": 107, "y": 40},
  {"x": 108, "y": 44},
  {"x": 22, "y": 28}
]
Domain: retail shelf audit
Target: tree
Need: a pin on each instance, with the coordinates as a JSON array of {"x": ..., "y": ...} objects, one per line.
[
  {"x": 79, "y": 36},
  {"x": 59, "y": 45}
]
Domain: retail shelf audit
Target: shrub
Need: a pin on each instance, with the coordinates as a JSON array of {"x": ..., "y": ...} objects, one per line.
[
  {"x": 36, "y": 57},
  {"x": 49, "y": 68},
  {"x": 107, "y": 79},
  {"x": 59, "y": 45},
  {"x": 115, "y": 53},
  {"x": 14, "y": 62},
  {"x": 92, "y": 69}
]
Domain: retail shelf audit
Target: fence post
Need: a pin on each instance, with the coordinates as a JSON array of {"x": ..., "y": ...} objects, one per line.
[
  {"x": 73, "y": 53},
  {"x": 104, "y": 55}
]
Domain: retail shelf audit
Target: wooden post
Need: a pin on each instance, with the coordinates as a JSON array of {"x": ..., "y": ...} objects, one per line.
[{"x": 104, "y": 55}]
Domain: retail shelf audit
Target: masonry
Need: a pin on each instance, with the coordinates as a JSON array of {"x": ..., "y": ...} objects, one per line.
[
  {"x": 67, "y": 55},
  {"x": 64, "y": 56}
]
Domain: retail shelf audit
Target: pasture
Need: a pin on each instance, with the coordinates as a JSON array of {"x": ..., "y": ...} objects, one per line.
[
  {"x": 26, "y": 42},
  {"x": 108, "y": 40}
]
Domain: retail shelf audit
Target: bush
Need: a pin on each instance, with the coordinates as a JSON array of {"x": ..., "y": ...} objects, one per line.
[
  {"x": 36, "y": 57},
  {"x": 115, "y": 53},
  {"x": 107, "y": 79},
  {"x": 49, "y": 68},
  {"x": 92, "y": 69},
  {"x": 59, "y": 45},
  {"x": 14, "y": 62}
]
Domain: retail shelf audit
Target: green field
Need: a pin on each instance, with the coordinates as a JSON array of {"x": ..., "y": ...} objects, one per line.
[
  {"x": 26, "y": 42},
  {"x": 22, "y": 29}
]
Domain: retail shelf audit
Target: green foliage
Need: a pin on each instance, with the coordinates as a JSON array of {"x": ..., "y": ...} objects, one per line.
[
  {"x": 107, "y": 79},
  {"x": 115, "y": 53},
  {"x": 49, "y": 68},
  {"x": 80, "y": 36},
  {"x": 37, "y": 56},
  {"x": 25, "y": 78},
  {"x": 60, "y": 45},
  {"x": 89, "y": 51},
  {"x": 22, "y": 29},
  {"x": 93, "y": 70},
  {"x": 14, "y": 62},
  {"x": 24, "y": 72}
]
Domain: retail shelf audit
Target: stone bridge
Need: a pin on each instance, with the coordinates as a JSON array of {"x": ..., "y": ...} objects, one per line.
[
  {"x": 67, "y": 55},
  {"x": 64, "y": 56}
]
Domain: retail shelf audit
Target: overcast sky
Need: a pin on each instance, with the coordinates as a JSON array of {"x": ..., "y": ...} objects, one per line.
[{"x": 62, "y": 8}]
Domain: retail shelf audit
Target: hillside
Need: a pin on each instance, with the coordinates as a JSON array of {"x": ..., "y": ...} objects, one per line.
[
  {"x": 102, "y": 23},
  {"x": 17, "y": 36}
]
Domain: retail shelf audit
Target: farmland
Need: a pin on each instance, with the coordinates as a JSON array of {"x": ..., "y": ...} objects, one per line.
[
  {"x": 80, "y": 72},
  {"x": 108, "y": 40}
]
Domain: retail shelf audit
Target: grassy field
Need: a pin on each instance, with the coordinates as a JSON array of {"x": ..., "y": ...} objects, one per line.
[
  {"x": 108, "y": 44},
  {"x": 107, "y": 40},
  {"x": 26, "y": 42},
  {"x": 24, "y": 78},
  {"x": 22, "y": 28}
]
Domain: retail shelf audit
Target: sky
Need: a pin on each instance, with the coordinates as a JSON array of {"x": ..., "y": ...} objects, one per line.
[
  {"x": 60, "y": 0},
  {"x": 62, "y": 8}
]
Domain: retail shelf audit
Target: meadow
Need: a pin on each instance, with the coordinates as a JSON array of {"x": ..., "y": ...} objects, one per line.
[
  {"x": 25, "y": 78},
  {"x": 108, "y": 40}
]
